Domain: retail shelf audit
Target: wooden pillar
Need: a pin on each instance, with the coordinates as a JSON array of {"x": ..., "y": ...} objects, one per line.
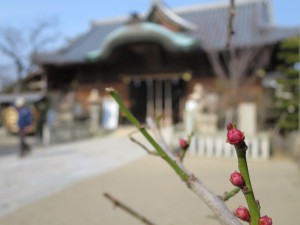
[
  {"x": 158, "y": 98},
  {"x": 168, "y": 101},
  {"x": 150, "y": 98}
]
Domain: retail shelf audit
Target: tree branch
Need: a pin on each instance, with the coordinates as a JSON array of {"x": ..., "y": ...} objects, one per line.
[
  {"x": 130, "y": 211},
  {"x": 215, "y": 203},
  {"x": 230, "y": 30},
  {"x": 19, "y": 47},
  {"x": 259, "y": 62},
  {"x": 150, "y": 152},
  {"x": 216, "y": 62},
  {"x": 230, "y": 194}
]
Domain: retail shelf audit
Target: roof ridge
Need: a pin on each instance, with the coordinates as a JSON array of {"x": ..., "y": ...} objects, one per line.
[
  {"x": 211, "y": 5},
  {"x": 182, "y": 9},
  {"x": 109, "y": 21},
  {"x": 175, "y": 17}
]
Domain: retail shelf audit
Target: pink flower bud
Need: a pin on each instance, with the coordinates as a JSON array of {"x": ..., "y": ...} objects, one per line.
[
  {"x": 234, "y": 136},
  {"x": 265, "y": 220},
  {"x": 237, "y": 180},
  {"x": 242, "y": 213},
  {"x": 230, "y": 126},
  {"x": 183, "y": 144}
]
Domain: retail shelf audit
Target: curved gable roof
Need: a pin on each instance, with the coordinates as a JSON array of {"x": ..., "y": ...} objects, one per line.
[
  {"x": 143, "y": 32},
  {"x": 253, "y": 25}
]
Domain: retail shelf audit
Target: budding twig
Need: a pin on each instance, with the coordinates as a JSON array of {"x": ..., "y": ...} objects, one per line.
[
  {"x": 150, "y": 152},
  {"x": 237, "y": 139},
  {"x": 145, "y": 133},
  {"x": 184, "y": 145},
  {"x": 130, "y": 211},
  {"x": 230, "y": 194},
  {"x": 213, "y": 201},
  {"x": 230, "y": 30},
  {"x": 249, "y": 194}
]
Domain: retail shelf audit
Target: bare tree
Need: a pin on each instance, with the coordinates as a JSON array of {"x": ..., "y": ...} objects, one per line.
[
  {"x": 18, "y": 45},
  {"x": 238, "y": 67},
  {"x": 5, "y": 79}
]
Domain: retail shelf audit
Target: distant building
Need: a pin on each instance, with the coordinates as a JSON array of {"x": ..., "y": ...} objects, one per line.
[{"x": 154, "y": 59}]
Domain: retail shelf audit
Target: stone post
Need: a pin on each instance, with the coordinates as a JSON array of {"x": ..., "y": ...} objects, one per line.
[{"x": 94, "y": 100}]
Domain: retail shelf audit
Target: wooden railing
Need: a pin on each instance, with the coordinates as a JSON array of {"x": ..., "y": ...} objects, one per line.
[{"x": 66, "y": 132}]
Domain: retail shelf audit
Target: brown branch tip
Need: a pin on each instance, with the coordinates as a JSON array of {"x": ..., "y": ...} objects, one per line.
[
  {"x": 109, "y": 90},
  {"x": 113, "y": 201}
]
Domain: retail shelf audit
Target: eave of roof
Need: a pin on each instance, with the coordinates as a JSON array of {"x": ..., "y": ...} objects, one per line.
[
  {"x": 29, "y": 97},
  {"x": 140, "y": 32}
]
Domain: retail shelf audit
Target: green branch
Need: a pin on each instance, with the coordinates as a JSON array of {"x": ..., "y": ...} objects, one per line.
[
  {"x": 140, "y": 144},
  {"x": 231, "y": 193},
  {"x": 215, "y": 203},
  {"x": 145, "y": 133},
  {"x": 253, "y": 206}
]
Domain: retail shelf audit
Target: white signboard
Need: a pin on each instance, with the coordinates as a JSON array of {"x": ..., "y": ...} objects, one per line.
[
  {"x": 110, "y": 114},
  {"x": 247, "y": 118}
]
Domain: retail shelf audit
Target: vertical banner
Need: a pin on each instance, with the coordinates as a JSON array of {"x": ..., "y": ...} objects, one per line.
[{"x": 110, "y": 114}]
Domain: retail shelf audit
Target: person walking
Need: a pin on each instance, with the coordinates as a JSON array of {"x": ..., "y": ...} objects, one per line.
[
  {"x": 24, "y": 121},
  {"x": 42, "y": 107}
]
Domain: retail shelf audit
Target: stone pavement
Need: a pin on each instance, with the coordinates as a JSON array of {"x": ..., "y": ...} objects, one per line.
[
  {"x": 150, "y": 187},
  {"x": 49, "y": 169},
  {"x": 64, "y": 185}
]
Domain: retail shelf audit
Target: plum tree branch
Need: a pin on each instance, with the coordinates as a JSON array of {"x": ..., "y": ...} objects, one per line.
[
  {"x": 127, "y": 209},
  {"x": 150, "y": 152},
  {"x": 215, "y": 203},
  {"x": 230, "y": 30}
]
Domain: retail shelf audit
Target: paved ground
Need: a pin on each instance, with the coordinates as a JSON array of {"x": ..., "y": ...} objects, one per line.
[
  {"x": 115, "y": 165},
  {"x": 49, "y": 169}
]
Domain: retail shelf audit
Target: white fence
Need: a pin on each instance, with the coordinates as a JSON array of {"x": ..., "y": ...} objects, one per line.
[
  {"x": 216, "y": 146},
  {"x": 66, "y": 132}
]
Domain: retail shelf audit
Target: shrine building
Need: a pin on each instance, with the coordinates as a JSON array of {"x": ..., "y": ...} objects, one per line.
[{"x": 154, "y": 59}]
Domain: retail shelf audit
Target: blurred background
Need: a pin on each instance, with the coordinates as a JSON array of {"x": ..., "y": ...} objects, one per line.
[
  {"x": 60, "y": 57},
  {"x": 178, "y": 61}
]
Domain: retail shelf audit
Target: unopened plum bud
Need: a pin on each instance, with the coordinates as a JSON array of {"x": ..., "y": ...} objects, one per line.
[
  {"x": 234, "y": 136},
  {"x": 237, "y": 179},
  {"x": 242, "y": 213},
  {"x": 183, "y": 144},
  {"x": 265, "y": 220}
]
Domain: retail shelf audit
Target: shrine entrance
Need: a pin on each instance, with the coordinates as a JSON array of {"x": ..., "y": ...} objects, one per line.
[
  {"x": 154, "y": 63},
  {"x": 157, "y": 97}
]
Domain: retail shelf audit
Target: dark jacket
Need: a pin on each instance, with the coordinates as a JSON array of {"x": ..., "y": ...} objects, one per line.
[{"x": 25, "y": 117}]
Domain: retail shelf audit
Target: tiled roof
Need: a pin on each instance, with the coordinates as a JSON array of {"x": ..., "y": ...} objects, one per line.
[
  {"x": 253, "y": 25},
  {"x": 77, "y": 51}
]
